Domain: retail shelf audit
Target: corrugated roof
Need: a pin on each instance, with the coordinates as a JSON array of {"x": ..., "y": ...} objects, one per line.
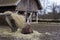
[{"x": 8, "y": 2}]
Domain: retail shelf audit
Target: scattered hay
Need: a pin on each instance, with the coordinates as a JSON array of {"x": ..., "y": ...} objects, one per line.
[
  {"x": 19, "y": 36},
  {"x": 19, "y": 19}
]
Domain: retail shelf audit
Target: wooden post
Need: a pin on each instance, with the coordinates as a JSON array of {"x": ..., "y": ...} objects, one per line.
[
  {"x": 17, "y": 11},
  {"x": 31, "y": 17},
  {"x": 25, "y": 16},
  {"x": 28, "y": 4},
  {"x": 37, "y": 18}
]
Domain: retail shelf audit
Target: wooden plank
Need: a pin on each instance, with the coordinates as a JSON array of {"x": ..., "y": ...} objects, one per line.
[
  {"x": 25, "y": 15},
  {"x": 2, "y": 14},
  {"x": 28, "y": 19},
  {"x": 37, "y": 18}
]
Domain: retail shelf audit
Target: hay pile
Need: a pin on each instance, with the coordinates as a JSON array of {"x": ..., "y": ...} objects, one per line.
[
  {"x": 19, "y": 19},
  {"x": 19, "y": 36},
  {"x": 20, "y": 22}
]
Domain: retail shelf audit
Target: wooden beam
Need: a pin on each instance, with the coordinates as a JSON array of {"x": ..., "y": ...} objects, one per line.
[
  {"x": 2, "y": 14},
  {"x": 25, "y": 16},
  {"x": 29, "y": 18},
  {"x": 37, "y": 17}
]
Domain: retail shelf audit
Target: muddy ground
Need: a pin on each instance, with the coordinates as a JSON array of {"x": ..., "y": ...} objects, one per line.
[{"x": 50, "y": 31}]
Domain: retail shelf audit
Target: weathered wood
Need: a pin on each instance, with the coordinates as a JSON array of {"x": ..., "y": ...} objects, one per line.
[
  {"x": 25, "y": 5},
  {"x": 25, "y": 16},
  {"x": 29, "y": 18},
  {"x": 2, "y": 14},
  {"x": 9, "y": 22},
  {"x": 8, "y": 2},
  {"x": 7, "y": 8},
  {"x": 19, "y": 5},
  {"x": 37, "y": 18},
  {"x": 2, "y": 18}
]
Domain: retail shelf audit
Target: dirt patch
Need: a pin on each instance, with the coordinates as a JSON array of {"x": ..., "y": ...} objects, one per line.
[{"x": 48, "y": 31}]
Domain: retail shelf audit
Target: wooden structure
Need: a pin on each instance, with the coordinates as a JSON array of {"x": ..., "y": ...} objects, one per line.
[
  {"x": 29, "y": 7},
  {"x": 19, "y": 5}
]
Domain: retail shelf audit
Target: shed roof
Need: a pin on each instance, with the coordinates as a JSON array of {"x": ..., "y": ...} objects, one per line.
[
  {"x": 9, "y": 2},
  {"x": 33, "y": 5},
  {"x": 14, "y": 2},
  {"x": 21, "y": 5}
]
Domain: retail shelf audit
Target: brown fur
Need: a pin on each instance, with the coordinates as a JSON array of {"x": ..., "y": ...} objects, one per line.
[{"x": 27, "y": 30}]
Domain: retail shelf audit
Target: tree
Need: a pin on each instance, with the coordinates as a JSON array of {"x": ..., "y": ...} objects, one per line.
[{"x": 54, "y": 12}]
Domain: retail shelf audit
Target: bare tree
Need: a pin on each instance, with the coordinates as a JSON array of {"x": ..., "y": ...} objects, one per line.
[{"x": 54, "y": 12}]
